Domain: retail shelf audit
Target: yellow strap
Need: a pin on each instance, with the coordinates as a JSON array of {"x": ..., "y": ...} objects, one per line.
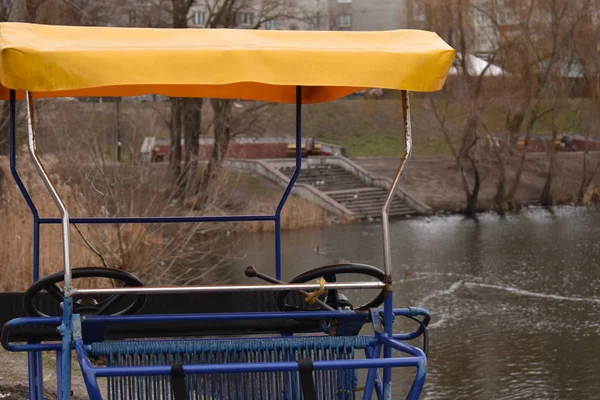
[{"x": 312, "y": 297}]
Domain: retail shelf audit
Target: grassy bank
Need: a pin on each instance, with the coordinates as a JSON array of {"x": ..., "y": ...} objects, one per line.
[
  {"x": 366, "y": 128},
  {"x": 373, "y": 128}
]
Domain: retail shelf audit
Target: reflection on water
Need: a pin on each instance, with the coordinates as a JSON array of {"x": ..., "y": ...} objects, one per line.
[{"x": 514, "y": 301}]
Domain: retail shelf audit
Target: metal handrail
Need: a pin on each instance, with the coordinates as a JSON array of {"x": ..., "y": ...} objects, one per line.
[{"x": 229, "y": 288}]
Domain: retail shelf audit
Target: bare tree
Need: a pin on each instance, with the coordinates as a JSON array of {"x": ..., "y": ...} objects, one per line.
[
  {"x": 236, "y": 14},
  {"x": 464, "y": 95},
  {"x": 535, "y": 46},
  {"x": 183, "y": 125},
  {"x": 5, "y": 110},
  {"x": 589, "y": 57}
]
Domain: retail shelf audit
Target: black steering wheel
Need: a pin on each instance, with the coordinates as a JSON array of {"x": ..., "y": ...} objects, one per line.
[
  {"x": 85, "y": 305},
  {"x": 329, "y": 273}
]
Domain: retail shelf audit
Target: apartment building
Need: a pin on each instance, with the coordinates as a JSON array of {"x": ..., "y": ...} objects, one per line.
[
  {"x": 358, "y": 15},
  {"x": 271, "y": 14},
  {"x": 490, "y": 23},
  {"x": 367, "y": 15},
  {"x": 440, "y": 16}
]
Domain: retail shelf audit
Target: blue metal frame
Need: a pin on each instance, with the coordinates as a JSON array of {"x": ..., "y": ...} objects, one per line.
[
  {"x": 22, "y": 188},
  {"x": 387, "y": 350},
  {"x": 35, "y": 375},
  {"x": 34, "y": 359},
  {"x": 37, "y": 221},
  {"x": 99, "y": 322},
  {"x": 159, "y": 220},
  {"x": 70, "y": 328},
  {"x": 291, "y": 184},
  {"x": 66, "y": 330},
  {"x": 416, "y": 358},
  {"x": 372, "y": 363}
]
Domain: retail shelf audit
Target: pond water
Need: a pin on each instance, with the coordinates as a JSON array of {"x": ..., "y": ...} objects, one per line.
[{"x": 515, "y": 300}]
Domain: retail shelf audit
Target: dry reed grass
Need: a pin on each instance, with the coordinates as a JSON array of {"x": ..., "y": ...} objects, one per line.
[
  {"x": 16, "y": 251},
  {"x": 158, "y": 253}
]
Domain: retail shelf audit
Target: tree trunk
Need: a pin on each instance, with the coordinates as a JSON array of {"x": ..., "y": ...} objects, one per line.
[
  {"x": 546, "y": 195},
  {"x": 523, "y": 157},
  {"x": 513, "y": 127},
  {"x": 469, "y": 141},
  {"x": 222, "y": 128},
  {"x": 585, "y": 179},
  {"x": 469, "y": 138},
  {"x": 191, "y": 131},
  {"x": 185, "y": 119},
  {"x": 473, "y": 195},
  {"x": 180, "y": 12},
  {"x": 176, "y": 128},
  {"x": 4, "y": 121},
  {"x": 500, "y": 198},
  {"x": 503, "y": 200},
  {"x": 517, "y": 181},
  {"x": 24, "y": 10}
]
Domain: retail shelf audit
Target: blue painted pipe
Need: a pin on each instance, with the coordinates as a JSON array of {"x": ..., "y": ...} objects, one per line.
[
  {"x": 159, "y": 220},
  {"x": 291, "y": 184},
  {"x": 285, "y": 366},
  {"x": 12, "y": 134}
]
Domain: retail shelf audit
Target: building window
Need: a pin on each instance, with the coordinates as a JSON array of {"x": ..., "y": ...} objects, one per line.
[
  {"x": 345, "y": 21},
  {"x": 132, "y": 18},
  {"x": 419, "y": 13},
  {"x": 506, "y": 17},
  {"x": 198, "y": 18},
  {"x": 246, "y": 18},
  {"x": 270, "y": 24}
]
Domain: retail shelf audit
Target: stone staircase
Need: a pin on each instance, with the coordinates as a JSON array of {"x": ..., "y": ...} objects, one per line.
[{"x": 349, "y": 190}]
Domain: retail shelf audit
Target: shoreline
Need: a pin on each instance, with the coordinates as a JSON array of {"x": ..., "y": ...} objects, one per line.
[{"x": 436, "y": 181}]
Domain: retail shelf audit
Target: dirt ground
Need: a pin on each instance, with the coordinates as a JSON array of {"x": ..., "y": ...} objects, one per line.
[
  {"x": 436, "y": 181},
  {"x": 13, "y": 377}
]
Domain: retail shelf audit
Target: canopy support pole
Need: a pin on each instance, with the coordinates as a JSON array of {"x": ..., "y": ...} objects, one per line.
[
  {"x": 291, "y": 184},
  {"x": 61, "y": 207},
  {"x": 387, "y": 253},
  {"x": 387, "y": 256},
  {"x": 66, "y": 328}
]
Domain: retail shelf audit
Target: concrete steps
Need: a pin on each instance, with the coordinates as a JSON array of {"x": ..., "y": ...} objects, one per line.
[
  {"x": 367, "y": 202},
  {"x": 349, "y": 190}
]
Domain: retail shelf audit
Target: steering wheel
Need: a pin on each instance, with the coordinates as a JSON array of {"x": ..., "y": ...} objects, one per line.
[
  {"x": 85, "y": 305},
  {"x": 329, "y": 273}
]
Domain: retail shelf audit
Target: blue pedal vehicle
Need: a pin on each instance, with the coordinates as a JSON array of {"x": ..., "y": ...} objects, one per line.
[{"x": 275, "y": 340}]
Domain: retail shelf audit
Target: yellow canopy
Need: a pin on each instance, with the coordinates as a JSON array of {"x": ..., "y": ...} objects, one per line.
[{"x": 57, "y": 61}]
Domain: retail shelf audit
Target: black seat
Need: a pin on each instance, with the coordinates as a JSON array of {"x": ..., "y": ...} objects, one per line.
[{"x": 11, "y": 306}]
